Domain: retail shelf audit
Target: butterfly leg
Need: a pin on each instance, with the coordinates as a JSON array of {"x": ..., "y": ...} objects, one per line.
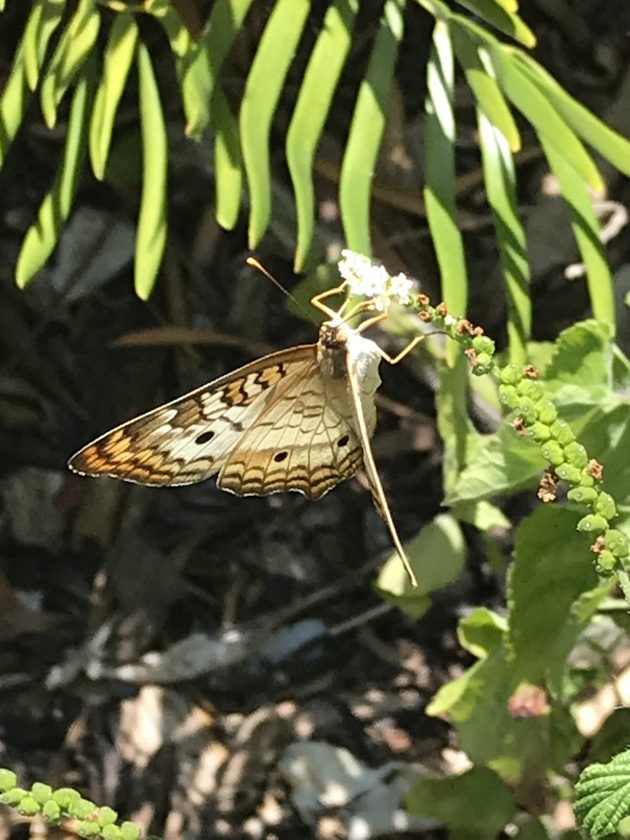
[
  {"x": 316, "y": 300},
  {"x": 393, "y": 360}
]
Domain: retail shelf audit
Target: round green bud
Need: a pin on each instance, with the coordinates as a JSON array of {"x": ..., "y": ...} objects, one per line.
[
  {"x": 567, "y": 472},
  {"x": 51, "y": 810},
  {"x": 88, "y": 828},
  {"x": 553, "y": 452},
  {"x": 8, "y": 779},
  {"x": 527, "y": 410},
  {"x": 28, "y": 805},
  {"x": 511, "y": 374},
  {"x": 617, "y": 543},
  {"x": 110, "y": 832},
  {"x": 483, "y": 364},
  {"x": 561, "y": 431},
  {"x": 13, "y": 796},
  {"x": 508, "y": 396},
  {"x": 129, "y": 830},
  {"x": 66, "y": 797},
  {"x": 576, "y": 454},
  {"x": 483, "y": 344},
  {"x": 605, "y": 506},
  {"x": 606, "y": 561},
  {"x": 540, "y": 432},
  {"x": 81, "y": 808},
  {"x": 582, "y": 495},
  {"x": 106, "y": 815},
  {"x": 547, "y": 412},
  {"x": 41, "y": 792},
  {"x": 592, "y": 524},
  {"x": 530, "y": 388},
  {"x": 586, "y": 480}
]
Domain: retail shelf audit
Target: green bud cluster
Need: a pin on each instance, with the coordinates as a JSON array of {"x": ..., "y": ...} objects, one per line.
[{"x": 65, "y": 803}]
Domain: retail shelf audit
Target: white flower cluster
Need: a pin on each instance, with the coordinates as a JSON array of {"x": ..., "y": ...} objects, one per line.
[{"x": 372, "y": 281}]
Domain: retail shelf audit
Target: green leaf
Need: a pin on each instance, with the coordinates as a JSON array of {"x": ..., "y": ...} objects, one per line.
[
  {"x": 228, "y": 164},
  {"x": 313, "y": 104},
  {"x": 553, "y": 568},
  {"x": 74, "y": 47},
  {"x": 262, "y": 91},
  {"x": 477, "y": 802},
  {"x": 41, "y": 25},
  {"x": 54, "y": 210},
  {"x": 151, "y": 236},
  {"x": 14, "y": 100},
  {"x": 366, "y": 129},
  {"x": 602, "y": 796},
  {"x": 118, "y": 55},
  {"x": 608, "y": 142},
  {"x": 487, "y": 92},
  {"x": 437, "y": 557},
  {"x": 586, "y": 229},
  {"x": 439, "y": 188},
  {"x": 482, "y": 631},
  {"x": 582, "y": 358},
  {"x": 461, "y": 439},
  {"x": 501, "y": 17},
  {"x": 500, "y": 180}
]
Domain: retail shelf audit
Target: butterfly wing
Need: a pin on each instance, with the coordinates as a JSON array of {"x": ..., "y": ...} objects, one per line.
[
  {"x": 378, "y": 494},
  {"x": 304, "y": 439},
  {"x": 191, "y": 438}
]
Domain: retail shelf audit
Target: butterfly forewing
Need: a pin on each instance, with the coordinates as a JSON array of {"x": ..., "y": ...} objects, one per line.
[{"x": 190, "y": 438}]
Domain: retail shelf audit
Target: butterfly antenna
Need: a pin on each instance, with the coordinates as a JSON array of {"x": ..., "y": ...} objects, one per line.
[{"x": 255, "y": 264}]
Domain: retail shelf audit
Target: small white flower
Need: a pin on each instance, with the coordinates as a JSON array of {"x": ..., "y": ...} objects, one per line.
[
  {"x": 373, "y": 281},
  {"x": 450, "y": 320}
]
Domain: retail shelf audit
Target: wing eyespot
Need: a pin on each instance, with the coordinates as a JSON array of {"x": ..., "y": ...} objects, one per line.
[
  {"x": 280, "y": 456},
  {"x": 343, "y": 441},
  {"x": 204, "y": 437}
]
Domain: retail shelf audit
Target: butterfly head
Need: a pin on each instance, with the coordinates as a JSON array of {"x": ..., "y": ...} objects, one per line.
[{"x": 332, "y": 348}]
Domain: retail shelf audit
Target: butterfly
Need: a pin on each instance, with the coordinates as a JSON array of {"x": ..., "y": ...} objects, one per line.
[{"x": 298, "y": 419}]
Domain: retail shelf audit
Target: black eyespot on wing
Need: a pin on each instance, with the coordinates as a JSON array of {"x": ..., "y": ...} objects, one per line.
[
  {"x": 204, "y": 437},
  {"x": 280, "y": 456},
  {"x": 343, "y": 441}
]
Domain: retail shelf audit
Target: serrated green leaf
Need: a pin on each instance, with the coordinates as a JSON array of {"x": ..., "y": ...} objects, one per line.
[
  {"x": 602, "y": 796},
  {"x": 228, "y": 164},
  {"x": 366, "y": 129},
  {"x": 582, "y": 357},
  {"x": 586, "y": 229},
  {"x": 151, "y": 236},
  {"x": 262, "y": 91},
  {"x": 439, "y": 188},
  {"x": 118, "y": 56},
  {"x": 476, "y": 801},
  {"x": 487, "y": 92},
  {"x": 608, "y": 142},
  {"x": 437, "y": 557},
  {"x": 73, "y": 49},
  {"x": 503, "y": 18},
  {"x": 311, "y": 109},
  {"x": 42, "y": 237}
]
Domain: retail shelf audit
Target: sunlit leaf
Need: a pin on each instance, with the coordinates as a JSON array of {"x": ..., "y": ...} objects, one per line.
[
  {"x": 151, "y": 237},
  {"x": 366, "y": 129},
  {"x": 74, "y": 47},
  {"x": 118, "y": 56},
  {"x": 43, "y": 236},
  {"x": 41, "y": 25},
  {"x": 227, "y": 161},
  {"x": 262, "y": 91},
  {"x": 503, "y": 18}
]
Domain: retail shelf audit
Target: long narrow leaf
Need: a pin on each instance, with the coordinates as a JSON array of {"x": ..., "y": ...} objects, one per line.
[
  {"x": 41, "y": 25},
  {"x": 439, "y": 188},
  {"x": 499, "y": 16},
  {"x": 608, "y": 142},
  {"x": 151, "y": 236},
  {"x": 487, "y": 92},
  {"x": 228, "y": 168},
  {"x": 366, "y": 129},
  {"x": 500, "y": 179},
  {"x": 311, "y": 110},
  {"x": 119, "y": 54},
  {"x": 586, "y": 229},
  {"x": 74, "y": 47},
  {"x": 43, "y": 236},
  {"x": 262, "y": 92},
  {"x": 13, "y": 103}
]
